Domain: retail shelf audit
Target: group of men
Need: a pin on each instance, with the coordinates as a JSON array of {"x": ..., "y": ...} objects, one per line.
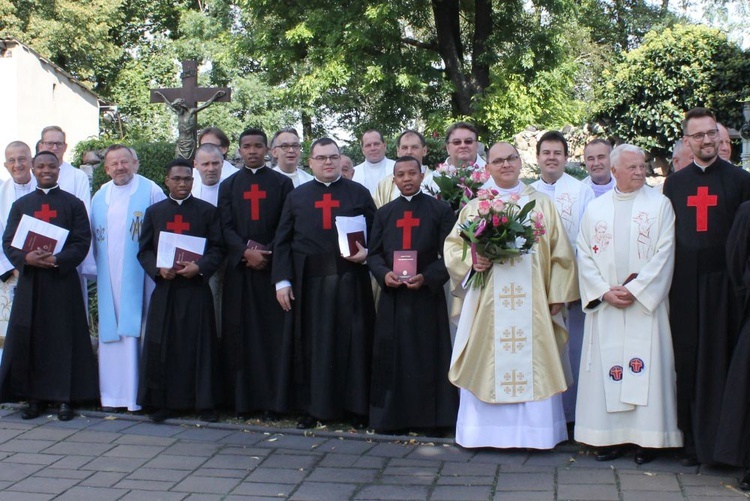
[{"x": 625, "y": 319}]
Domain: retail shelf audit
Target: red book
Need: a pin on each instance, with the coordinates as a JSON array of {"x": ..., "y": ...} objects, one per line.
[
  {"x": 405, "y": 264},
  {"x": 253, "y": 245},
  {"x": 353, "y": 238},
  {"x": 183, "y": 255},
  {"x": 36, "y": 241}
]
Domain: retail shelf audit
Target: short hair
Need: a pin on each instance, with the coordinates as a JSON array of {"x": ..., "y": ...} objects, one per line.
[
  {"x": 18, "y": 144},
  {"x": 288, "y": 130},
  {"x": 404, "y": 159},
  {"x": 323, "y": 141},
  {"x": 368, "y": 131},
  {"x": 678, "y": 145},
  {"x": 43, "y": 152},
  {"x": 614, "y": 157},
  {"x": 178, "y": 162},
  {"x": 215, "y": 131},
  {"x": 252, "y": 131},
  {"x": 460, "y": 125},
  {"x": 346, "y": 157},
  {"x": 502, "y": 142},
  {"x": 413, "y": 132},
  {"x": 598, "y": 140},
  {"x": 553, "y": 136},
  {"x": 53, "y": 128},
  {"x": 133, "y": 152},
  {"x": 696, "y": 113},
  {"x": 115, "y": 147},
  {"x": 209, "y": 148}
]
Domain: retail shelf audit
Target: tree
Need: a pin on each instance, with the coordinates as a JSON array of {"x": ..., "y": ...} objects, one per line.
[{"x": 644, "y": 98}]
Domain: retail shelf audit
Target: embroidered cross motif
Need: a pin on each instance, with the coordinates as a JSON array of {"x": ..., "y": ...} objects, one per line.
[
  {"x": 514, "y": 383},
  {"x": 702, "y": 201},
  {"x": 177, "y": 225},
  {"x": 616, "y": 373},
  {"x": 255, "y": 195},
  {"x": 513, "y": 340},
  {"x": 512, "y": 296},
  {"x": 327, "y": 204},
  {"x": 406, "y": 223}
]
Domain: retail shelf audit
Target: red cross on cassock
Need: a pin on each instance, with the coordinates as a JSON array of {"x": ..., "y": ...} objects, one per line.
[
  {"x": 406, "y": 223},
  {"x": 595, "y": 249},
  {"x": 327, "y": 204},
  {"x": 45, "y": 214},
  {"x": 702, "y": 201},
  {"x": 255, "y": 195},
  {"x": 178, "y": 225}
]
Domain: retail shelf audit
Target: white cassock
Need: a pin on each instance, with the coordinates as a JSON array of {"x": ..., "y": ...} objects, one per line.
[
  {"x": 626, "y": 392},
  {"x": 369, "y": 174},
  {"x": 298, "y": 177},
  {"x": 210, "y": 194},
  {"x": 571, "y": 198},
  {"x": 206, "y": 193},
  {"x": 9, "y": 193},
  {"x": 119, "y": 360},
  {"x": 599, "y": 189},
  {"x": 227, "y": 169}
]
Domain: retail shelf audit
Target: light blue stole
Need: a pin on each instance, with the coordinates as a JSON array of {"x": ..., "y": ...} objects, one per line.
[{"x": 131, "y": 291}]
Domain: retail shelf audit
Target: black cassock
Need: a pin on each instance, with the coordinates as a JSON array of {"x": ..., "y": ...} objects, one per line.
[
  {"x": 410, "y": 387},
  {"x": 48, "y": 354},
  {"x": 333, "y": 311},
  {"x": 179, "y": 365},
  {"x": 255, "y": 355},
  {"x": 733, "y": 438},
  {"x": 704, "y": 307}
]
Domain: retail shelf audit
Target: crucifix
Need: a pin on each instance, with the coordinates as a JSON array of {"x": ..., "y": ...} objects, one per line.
[{"x": 184, "y": 103}]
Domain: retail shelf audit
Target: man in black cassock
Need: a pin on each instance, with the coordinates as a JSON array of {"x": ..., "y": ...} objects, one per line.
[
  {"x": 255, "y": 355},
  {"x": 412, "y": 353},
  {"x": 179, "y": 365},
  {"x": 704, "y": 308},
  {"x": 48, "y": 355},
  {"x": 329, "y": 296}
]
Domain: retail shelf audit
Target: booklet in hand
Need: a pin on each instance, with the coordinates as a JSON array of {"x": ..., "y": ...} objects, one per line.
[
  {"x": 33, "y": 234},
  {"x": 35, "y": 241},
  {"x": 184, "y": 255},
  {"x": 405, "y": 264},
  {"x": 173, "y": 247},
  {"x": 351, "y": 229},
  {"x": 253, "y": 245}
]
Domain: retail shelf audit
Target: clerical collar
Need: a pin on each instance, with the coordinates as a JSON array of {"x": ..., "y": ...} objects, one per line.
[
  {"x": 409, "y": 197},
  {"x": 47, "y": 190},
  {"x": 376, "y": 164},
  {"x": 619, "y": 195},
  {"x": 549, "y": 184},
  {"x": 328, "y": 184},
  {"x": 509, "y": 191},
  {"x": 603, "y": 184},
  {"x": 704, "y": 167},
  {"x": 209, "y": 187},
  {"x": 255, "y": 169},
  {"x": 179, "y": 202}
]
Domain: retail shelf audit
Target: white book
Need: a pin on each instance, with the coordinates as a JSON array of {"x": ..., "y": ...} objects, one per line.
[
  {"x": 33, "y": 233},
  {"x": 174, "y": 247}
]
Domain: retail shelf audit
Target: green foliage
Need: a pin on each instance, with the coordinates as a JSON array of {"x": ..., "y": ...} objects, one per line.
[
  {"x": 644, "y": 98},
  {"x": 153, "y": 157}
]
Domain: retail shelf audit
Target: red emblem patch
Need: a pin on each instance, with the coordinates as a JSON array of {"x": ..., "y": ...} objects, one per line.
[
  {"x": 636, "y": 365},
  {"x": 616, "y": 373}
]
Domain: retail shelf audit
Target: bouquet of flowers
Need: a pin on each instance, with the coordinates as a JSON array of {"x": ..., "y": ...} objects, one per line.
[
  {"x": 458, "y": 185},
  {"x": 501, "y": 231}
]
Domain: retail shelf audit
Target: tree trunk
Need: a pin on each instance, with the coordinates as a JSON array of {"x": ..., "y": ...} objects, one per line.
[{"x": 446, "y": 14}]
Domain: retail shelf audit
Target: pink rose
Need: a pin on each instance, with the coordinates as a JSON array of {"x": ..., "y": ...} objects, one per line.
[
  {"x": 498, "y": 205},
  {"x": 484, "y": 207},
  {"x": 495, "y": 220}
]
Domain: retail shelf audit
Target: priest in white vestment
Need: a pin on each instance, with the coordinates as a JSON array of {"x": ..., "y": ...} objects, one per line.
[
  {"x": 626, "y": 392},
  {"x": 462, "y": 145},
  {"x": 21, "y": 182},
  {"x": 376, "y": 166},
  {"x": 123, "y": 288},
  {"x": 596, "y": 158},
  {"x": 507, "y": 356},
  {"x": 285, "y": 149}
]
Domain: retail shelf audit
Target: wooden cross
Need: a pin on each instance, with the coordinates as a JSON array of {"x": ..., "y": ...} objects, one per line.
[
  {"x": 514, "y": 383},
  {"x": 514, "y": 294},
  {"x": 513, "y": 339}
]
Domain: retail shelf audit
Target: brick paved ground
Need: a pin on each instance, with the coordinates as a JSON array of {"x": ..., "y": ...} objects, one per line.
[{"x": 129, "y": 458}]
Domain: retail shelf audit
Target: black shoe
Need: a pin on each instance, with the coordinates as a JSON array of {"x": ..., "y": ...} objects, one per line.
[
  {"x": 644, "y": 455},
  {"x": 359, "y": 422},
  {"x": 65, "y": 413},
  {"x": 269, "y": 416},
  {"x": 209, "y": 416},
  {"x": 306, "y": 422},
  {"x": 609, "y": 453},
  {"x": 690, "y": 460},
  {"x": 32, "y": 410},
  {"x": 160, "y": 416},
  {"x": 745, "y": 482}
]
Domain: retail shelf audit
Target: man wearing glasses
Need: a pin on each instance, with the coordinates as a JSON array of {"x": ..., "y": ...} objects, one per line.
[
  {"x": 462, "y": 145},
  {"x": 285, "y": 149},
  {"x": 326, "y": 291},
  {"x": 704, "y": 309}
]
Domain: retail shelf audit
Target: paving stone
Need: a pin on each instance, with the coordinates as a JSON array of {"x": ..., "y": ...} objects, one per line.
[
  {"x": 15, "y": 471},
  {"x": 441, "y": 453},
  {"x": 410, "y": 470},
  {"x": 586, "y": 492},
  {"x": 707, "y": 480},
  {"x": 521, "y": 468},
  {"x": 154, "y": 430},
  {"x": 45, "y": 459},
  {"x": 147, "y": 473},
  {"x": 370, "y": 462},
  {"x": 484, "y": 469},
  {"x": 415, "y": 463},
  {"x": 233, "y": 462},
  {"x": 112, "y": 425},
  {"x": 63, "y": 473},
  {"x": 204, "y": 434},
  {"x": 215, "y": 497},
  {"x": 19, "y": 445},
  {"x": 407, "y": 479},
  {"x": 460, "y": 493},
  {"x": 88, "y": 436},
  {"x": 651, "y": 496},
  {"x": 208, "y": 485},
  {"x": 390, "y": 450},
  {"x": 192, "y": 448},
  {"x": 24, "y": 496},
  {"x": 652, "y": 482},
  {"x": 550, "y": 459},
  {"x": 242, "y": 438},
  {"x": 125, "y": 465},
  {"x": 341, "y": 446},
  {"x": 134, "y": 451},
  {"x": 144, "y": 485},
  {"x": 9, "y": 434},
  {"x": 220, "y": 472},
  {"x": 465, "y": 480},
  {"x": 103, "y": 479},
  {"x": 577, "y": 475},
  {"x": 172, "y": 462},
  {"x": 529, "y": 481},
  {"x": 246, "y": 451},
  {"x": 399, "y": 492},
  {"x": 277, "y": 475},
  {"x": 525, "y": 496},
  {"x": 501, "y": 458},
  {"x": 154, "y": 496},
  {"x": 698, "y": 490},
  {"x": 79, "y": 493},
  {"x": 291, "y": 442},
  {"x": 263, "y": 489},
  {"x": 46, "y": 433},
  {"x": 150, "y": 440},
  {"x": 310, "y": 491},
  {"x": 73, "y": 462},
  {"x": 342, "y": 475},
  {"x": 78, "y": 448},
  {"x": 44, "y": 485}
]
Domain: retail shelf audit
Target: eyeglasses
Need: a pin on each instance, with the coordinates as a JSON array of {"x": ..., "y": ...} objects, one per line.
[
  {"x": 325, "y": 158},
  {"x": 287, "y": 147},
  {"x": 53, "y": 144},
  {"x": 698, "y": 136},
  {"x": 468, "y": 141},
  {"x": 500, "y": 161}
]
